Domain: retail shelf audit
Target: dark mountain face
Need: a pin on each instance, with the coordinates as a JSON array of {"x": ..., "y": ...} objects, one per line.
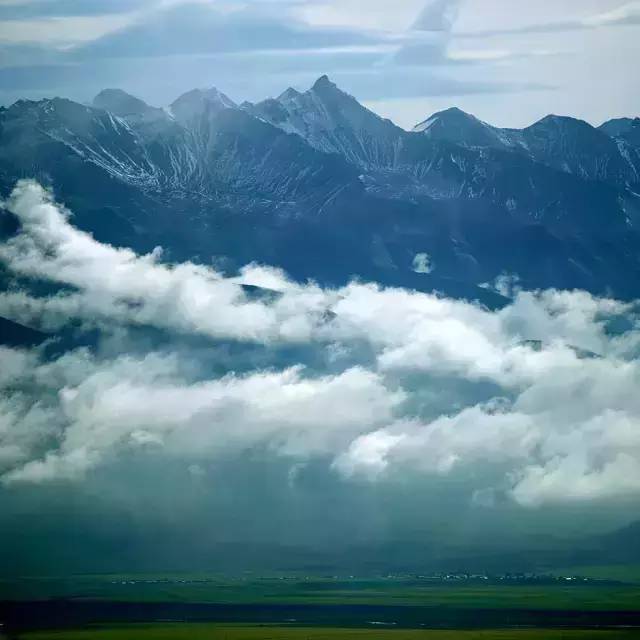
[
  {"x": 454, "y": 125},
  {"x": 222, "y": 159},
  {"x": 625, "y": 130},
  {"x": 121, "y": 103},
  {"x": 318, "y": 184},
  {"x": 565, "y": 144},
  {"x": 619, "y": 127},
  {"x": 576, "y": 147},
  {"x": 201, "y": 148},
  {"x": 453, "y": 154}
]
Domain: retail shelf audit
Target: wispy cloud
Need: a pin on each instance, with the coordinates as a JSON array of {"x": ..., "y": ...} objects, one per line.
[
  {"x": 438, "y": 16},
  {"x": 204, "y": 28},
  {"x": 61, "y": 32},
  {"x": 627, "y": 14},
  {"x": 63, "y": 53},
  {"x": 42, "y": 9},
  {"x": 430, "y": 41}
]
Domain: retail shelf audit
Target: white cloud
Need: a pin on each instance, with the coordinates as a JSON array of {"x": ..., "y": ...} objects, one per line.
[
  {"x": 118, "y": 284},
  {"x": 563, "y": 17},
  {"x": 628, "y": 13},
  {"x": 572, "y": 434},
  {"x": 348, "y": 13},
  {"x": 540, "y": 393},
  {"x": 475, "y": 435},
  {"x": 15, "y": 363},
  {"x": 422, "y": 263},
  {"x": 58, "y": 31},
  {"x": 94, "y": 408}
]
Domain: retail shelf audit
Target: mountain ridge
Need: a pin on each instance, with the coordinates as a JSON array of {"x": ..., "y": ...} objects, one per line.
[
  {"x": 309, "y": 174},
  {"x": 615, "y": 125}
]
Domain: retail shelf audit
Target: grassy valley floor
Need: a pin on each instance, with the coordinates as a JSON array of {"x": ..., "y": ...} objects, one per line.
[{"x": 169, "y": 631}]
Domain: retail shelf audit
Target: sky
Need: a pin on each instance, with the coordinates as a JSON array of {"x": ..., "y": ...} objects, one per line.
[{"x": 510, "y": 62}]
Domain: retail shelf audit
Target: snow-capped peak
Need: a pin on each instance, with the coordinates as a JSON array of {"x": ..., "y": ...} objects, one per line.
[
  {"x": 195, "y": 102},
  {"x": 332, "y": 121}
]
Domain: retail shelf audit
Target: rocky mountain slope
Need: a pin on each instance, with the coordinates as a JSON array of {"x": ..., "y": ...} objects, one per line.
[{"x": 318, "y": 184}]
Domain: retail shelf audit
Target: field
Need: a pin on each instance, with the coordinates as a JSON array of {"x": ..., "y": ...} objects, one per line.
[
  {"x": 297, "y": 607},
  {"x": 629, "y": 573},
  {"x": 298, "y": 590},
  {"x": 233, "y": 632}
]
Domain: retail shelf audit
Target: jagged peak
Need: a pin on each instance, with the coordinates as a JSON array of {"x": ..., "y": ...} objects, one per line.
[
  {"x": 328, "y": 92},
  {"x": 323, "y": 83},
  {"x": 452, "y": 115},
  {"x": 215, "y": 95},
  {"x": 211, "y": 95},
  {"x": 48, "y": 105},
  {"x": 120, "y": 103},
  {"x": 195, "y": 103},
  {"x": 289, "y": 94},
  {"x": 42, "y": 102}
]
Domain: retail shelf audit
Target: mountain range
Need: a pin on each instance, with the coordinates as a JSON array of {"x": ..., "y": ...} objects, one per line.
[
  {"x": 318, "y": 184},
  {"x": 314, "y": 182}
]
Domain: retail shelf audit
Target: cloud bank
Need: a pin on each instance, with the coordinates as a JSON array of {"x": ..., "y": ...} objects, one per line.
[{"x": 534, "y": 404}]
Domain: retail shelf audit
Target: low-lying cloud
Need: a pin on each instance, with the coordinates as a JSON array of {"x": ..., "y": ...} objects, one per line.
[{"x": 385, "y": 382}]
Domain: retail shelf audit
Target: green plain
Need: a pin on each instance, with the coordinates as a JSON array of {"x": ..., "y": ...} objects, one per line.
[
  {"x": 265, "y": 632},
  {"x": 374, "y": 591}
]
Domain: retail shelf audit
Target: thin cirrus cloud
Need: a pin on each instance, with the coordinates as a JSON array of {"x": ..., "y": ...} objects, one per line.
[
  {"x": 151, "y": 38},
  {"x": 200, "y": 28},
  {"x": 430, "y": 41},
  {"x": 397, "y": 56},
  {"x": 43, "y": 9},
  {"x": 541, "y": 398},
  {"x": 627, "y": 14}
]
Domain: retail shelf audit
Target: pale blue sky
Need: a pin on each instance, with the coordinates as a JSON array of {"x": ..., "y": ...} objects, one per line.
[{"x": 508, "y": 61}]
